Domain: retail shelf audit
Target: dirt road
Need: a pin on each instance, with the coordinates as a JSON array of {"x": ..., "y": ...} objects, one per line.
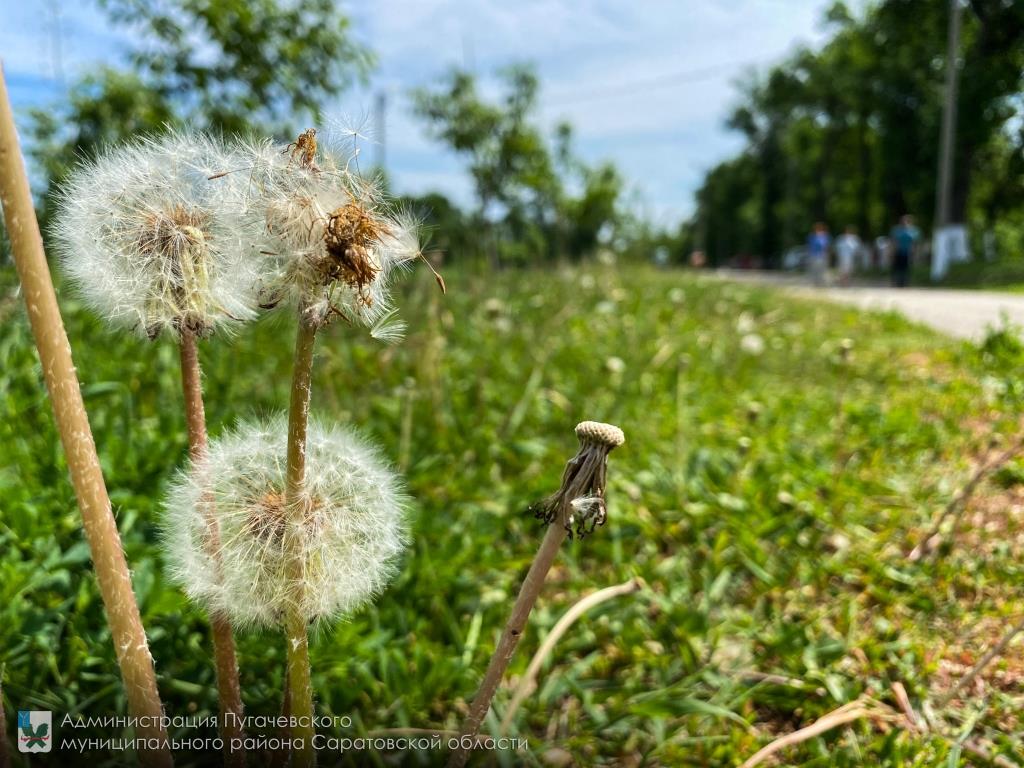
[{"x": 964, "y": 314}]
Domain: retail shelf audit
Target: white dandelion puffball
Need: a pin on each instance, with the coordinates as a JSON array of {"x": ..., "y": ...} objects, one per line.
[
  {"x": 332, "y": 238},
  {"x": 231, "y": 540},
  {"x": 153, "y": 243}
]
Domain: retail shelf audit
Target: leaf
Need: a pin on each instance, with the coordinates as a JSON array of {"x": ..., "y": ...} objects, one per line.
[{"x": 660, "y": 705}]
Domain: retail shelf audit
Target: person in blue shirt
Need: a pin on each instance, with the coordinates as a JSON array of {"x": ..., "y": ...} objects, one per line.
[
  {"x": 903, "y": 238},
  {"x": 818, "y": 243}
]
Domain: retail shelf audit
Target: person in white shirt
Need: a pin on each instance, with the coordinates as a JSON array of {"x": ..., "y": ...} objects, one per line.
[{"x": 848, "y": 247}]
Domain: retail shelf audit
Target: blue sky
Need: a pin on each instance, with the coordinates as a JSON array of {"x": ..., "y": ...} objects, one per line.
[{"x": 646, "y": 84}]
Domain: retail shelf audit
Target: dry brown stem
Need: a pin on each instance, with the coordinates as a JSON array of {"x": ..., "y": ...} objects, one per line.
[{"x": 101, "y": 532}]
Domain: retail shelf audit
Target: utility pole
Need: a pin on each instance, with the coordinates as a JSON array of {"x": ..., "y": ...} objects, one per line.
[
  {"x": 380, "y": 129},
  {"x": 949, "y": 241},
  {"x": 56, "y": 42}
]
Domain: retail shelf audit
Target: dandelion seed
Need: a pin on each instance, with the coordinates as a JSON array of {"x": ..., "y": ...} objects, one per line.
[
  {"x": 154, "y": 245},
  {"x": 348, "y": 534},
  {"x": 389, "y": 329}
]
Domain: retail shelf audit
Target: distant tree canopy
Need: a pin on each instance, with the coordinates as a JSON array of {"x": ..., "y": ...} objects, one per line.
[
  {"x": 271, "y": 66},
  {"x": 849, "y": 134},
  {"x": 535, "y": 200},
  {"x": 228, "y": 66}
]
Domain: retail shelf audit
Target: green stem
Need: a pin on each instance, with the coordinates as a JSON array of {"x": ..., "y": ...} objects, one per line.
[{"x": 300, "y": 687}]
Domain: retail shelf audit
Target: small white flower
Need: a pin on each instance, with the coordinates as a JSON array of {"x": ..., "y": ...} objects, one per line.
[
  {"x": 332, "y": 241},
  {"x": 152, "y": 243},
  {"x": 349, "y": 532},
  {"x": 494, "y": 307},
  {"x": 615, "y": 365},
  {"x": 752, "y": 344}
]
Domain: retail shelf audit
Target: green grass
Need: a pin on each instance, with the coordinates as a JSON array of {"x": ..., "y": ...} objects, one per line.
[
  {"x": 768, "y": 501},
  {"x": 1004, "y": 274}
]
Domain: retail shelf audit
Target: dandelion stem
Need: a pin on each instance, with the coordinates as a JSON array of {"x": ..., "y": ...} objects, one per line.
[
  {"x": 101, "y": 532},
  {"x": 229, "y": 689},
  {"x": 192, "y": 389},
  {"x": 513, "y": 631},
  {"x": 300, "y": 689},
  {"x": 298, "y": 411},
  {"x": 300, "y": 686},
  {"x": 579, "y": 503},
  {"x": 527, "y": 681},
  {"x": 5, "y": 749}
]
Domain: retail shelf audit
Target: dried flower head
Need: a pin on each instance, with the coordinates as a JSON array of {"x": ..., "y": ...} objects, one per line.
[
  {"x": 333, "y": 241},
  {"x": 153, "y": 244},
  {"x": 579, "y": 503},
  {"x": 347, "y": 534}
]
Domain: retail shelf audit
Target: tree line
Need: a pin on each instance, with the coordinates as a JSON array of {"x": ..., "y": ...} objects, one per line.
[{"x": 848, "y": 134}]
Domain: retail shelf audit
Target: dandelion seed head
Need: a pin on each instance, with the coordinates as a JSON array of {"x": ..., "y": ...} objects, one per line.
[
  {"x": 152, "y": 243},
  {"x": 615, "y": 365},
  {"x": 349, "y": 529}
]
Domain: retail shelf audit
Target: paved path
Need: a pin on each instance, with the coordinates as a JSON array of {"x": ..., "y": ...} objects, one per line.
[{"x": 964, "y": 314}]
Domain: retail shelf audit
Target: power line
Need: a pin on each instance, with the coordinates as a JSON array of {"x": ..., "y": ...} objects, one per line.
[{"x": 648, "y": 83}]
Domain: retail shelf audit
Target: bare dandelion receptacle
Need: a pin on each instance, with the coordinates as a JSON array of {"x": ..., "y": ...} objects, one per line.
[{"x": 579, "y": 505}]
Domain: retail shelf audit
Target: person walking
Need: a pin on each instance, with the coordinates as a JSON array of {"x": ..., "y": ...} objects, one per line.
[
  {"x": 848, "y": 248},
  {"x": 904, "y": 238},
  {"x": 818, "y": 243}
]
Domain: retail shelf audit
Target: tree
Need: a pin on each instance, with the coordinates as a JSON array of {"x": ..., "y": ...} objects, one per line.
[
  {"x": 521, "y": 179},
  {"x": 848, "y": 134},
  {"x": 231, "y": 66}
]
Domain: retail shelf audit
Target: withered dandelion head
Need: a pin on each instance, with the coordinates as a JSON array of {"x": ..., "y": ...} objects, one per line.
[
  {"x": 333, "y": 241},
  {"x": 579, "y": 503}
]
